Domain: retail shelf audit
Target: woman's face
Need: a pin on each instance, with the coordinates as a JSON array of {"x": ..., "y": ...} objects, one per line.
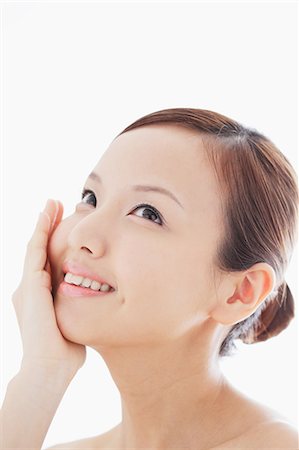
[{"x": 163, "y": 274}]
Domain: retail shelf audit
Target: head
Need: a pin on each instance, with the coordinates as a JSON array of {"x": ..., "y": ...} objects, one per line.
[{"x": 210, "y": 256}]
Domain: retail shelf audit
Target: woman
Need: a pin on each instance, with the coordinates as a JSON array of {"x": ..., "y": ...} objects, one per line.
[{"x": 189, "y": 222}]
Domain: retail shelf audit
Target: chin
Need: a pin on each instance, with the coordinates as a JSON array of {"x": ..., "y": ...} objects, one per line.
[
  {"x": 68, "y": 325},
  {"x": 71, "y": 324}
]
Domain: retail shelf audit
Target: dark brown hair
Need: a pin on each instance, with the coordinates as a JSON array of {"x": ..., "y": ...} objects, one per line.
[{"x": 259, "y": 193}]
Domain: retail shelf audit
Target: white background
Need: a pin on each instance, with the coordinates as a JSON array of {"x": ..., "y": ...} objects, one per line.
[{"x": 74, "y": 74}]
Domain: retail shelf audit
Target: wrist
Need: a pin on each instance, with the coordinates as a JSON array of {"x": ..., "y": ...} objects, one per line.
[
  {"x": 30, "y": 403},
  {"x": 56, "y": 371}
]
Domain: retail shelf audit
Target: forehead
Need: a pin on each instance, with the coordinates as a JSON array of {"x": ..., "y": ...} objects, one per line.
[
  {"x": 168, "y": 155},
  {"x": 167, "y": 143}
]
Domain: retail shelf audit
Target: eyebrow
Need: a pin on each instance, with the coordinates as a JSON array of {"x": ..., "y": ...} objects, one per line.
[{"x": 142, "y": 188}]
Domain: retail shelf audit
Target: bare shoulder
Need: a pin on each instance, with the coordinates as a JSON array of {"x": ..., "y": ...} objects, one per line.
[
  {"x": 269, "y": 429},
  {"x": 273, "y": 435},
  {"x": 276, "y": 434}
]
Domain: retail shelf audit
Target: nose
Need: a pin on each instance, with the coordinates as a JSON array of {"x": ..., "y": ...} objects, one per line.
[{"x": 89, "y": 234}]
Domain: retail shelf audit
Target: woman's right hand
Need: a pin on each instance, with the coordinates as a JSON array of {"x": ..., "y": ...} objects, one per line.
[{"x": 43, "y": 343}]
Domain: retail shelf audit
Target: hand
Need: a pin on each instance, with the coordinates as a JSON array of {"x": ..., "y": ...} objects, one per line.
[{"x": 43, "y": 343}]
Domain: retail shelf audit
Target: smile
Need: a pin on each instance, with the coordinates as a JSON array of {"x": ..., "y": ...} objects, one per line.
[{"x": 87, "y": 283}]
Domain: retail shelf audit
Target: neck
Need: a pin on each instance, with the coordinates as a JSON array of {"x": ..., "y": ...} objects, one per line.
[{"x": 173, "y": 395}]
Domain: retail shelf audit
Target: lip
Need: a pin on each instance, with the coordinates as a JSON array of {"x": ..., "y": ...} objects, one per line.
[
  {"x": 71, "y": 290},
  {"x": 77, "y": 269}
]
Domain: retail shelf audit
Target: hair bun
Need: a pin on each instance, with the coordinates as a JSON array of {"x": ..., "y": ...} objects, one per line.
[{"x": 274, "y": 318}]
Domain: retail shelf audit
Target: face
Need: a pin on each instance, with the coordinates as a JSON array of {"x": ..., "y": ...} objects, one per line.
[{"x": 158, "y": 256}]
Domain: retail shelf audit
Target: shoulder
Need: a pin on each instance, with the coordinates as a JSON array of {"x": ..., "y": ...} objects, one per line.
[
  {"x": 276, "y": 434},
  {"x": 267, "y": 428}
]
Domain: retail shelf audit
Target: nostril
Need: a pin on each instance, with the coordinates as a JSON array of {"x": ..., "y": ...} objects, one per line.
[{"x": 85, "y": 248}]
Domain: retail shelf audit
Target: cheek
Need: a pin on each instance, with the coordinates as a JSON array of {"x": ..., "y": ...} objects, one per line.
[
  {"x": 163, "y": 285},
  {"x": 140, "y": 264}
]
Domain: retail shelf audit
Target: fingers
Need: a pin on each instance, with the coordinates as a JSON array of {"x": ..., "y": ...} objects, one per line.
[
  {"x": 58, "y": 215},
  {"x": 36, "y": 254}
]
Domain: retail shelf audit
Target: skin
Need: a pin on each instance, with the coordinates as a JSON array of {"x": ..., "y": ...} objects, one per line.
[{"x": 160, "y": 331}]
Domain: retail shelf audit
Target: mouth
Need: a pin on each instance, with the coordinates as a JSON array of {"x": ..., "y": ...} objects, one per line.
[
  {"x": 71, "y": 286},
  {"x": 79, "y": 272}
]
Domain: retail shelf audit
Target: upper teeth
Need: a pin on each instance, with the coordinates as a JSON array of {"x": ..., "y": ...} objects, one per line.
[{"x": 86, "y": 282}]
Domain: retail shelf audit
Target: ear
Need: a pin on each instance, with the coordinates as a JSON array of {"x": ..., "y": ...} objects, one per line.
[{"x": 242, "y": 293}]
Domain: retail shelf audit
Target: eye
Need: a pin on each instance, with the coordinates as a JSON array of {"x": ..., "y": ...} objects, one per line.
[
  {"x": 87, "y": 193},
  {"x": 151, "y": 212}
]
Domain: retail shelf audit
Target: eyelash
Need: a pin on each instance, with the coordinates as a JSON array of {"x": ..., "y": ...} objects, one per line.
[{"x": 154, "y": 210}]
